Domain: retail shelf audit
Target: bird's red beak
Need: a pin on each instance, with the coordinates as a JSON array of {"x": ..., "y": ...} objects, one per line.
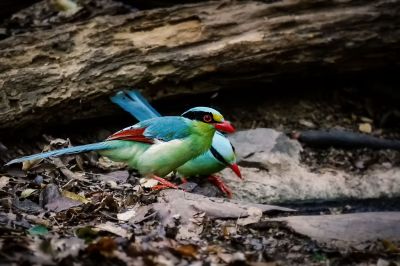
[
  {"x": 236, "y": 170},
  {"x": 224, "y": 127}
]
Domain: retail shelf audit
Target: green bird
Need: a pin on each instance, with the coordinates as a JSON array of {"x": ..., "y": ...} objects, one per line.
[
  {"x": 220, "y": 155},
  {"x": 157, "y": 146}
]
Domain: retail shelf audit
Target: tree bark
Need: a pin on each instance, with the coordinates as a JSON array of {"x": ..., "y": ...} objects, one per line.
[{"x": 53, "y": 74}]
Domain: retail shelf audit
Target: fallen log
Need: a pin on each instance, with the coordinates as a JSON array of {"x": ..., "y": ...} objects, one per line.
[{"x": 52, "y": 75}]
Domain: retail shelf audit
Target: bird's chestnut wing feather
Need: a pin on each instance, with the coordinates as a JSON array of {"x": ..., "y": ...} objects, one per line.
[
  {"x": 165, "y": 128},
  {"x": 133, "y": 134}
]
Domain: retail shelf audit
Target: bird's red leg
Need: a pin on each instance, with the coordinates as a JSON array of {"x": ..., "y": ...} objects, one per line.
[
  {"x": 219, "y": 183},
  {"x": 164, "y": 183},
  {"x": 159, "y": 187}
]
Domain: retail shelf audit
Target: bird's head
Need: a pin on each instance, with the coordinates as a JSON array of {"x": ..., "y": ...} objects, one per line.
[
  {"x": 223, "y": 151},
  {"x": 209, "y": 116}
]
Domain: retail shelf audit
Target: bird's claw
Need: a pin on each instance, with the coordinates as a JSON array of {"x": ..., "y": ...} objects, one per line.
[
  {"x": 159, "y": 187},
  {"x": 219, "y": 183},
  {"x": 164, "y": 183}
]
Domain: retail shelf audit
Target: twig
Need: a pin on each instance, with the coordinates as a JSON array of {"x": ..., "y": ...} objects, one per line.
[
  {"x": 37, "y": 220},
  {"x": 344, "y": 139},
  {"x": 68, "y": 173}
]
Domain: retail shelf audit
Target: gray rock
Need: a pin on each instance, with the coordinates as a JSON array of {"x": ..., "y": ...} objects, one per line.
[
  {"x": 251, "y": 146},
  {"x": 192, "y": 208},
  {"x": 273, "y": 173},
  {"x": 347, "y": 230},
  {"x": 286, "y": 182}
]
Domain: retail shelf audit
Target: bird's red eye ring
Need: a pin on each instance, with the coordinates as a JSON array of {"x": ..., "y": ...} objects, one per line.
[{"x": 207, "y": 118}]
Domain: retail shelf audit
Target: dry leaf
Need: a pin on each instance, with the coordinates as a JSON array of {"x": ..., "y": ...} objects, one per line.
[
  {"x": 105, "y": 246},
  {"x": 113, "y": 184},
  {"x": 229, "y": 231},
  {"x": 365, "y": 127},
  {"x": 125, "y": 216},
  {"x": 187, "y": 250},
  {"x": 30, "y": 164},
  {"x": 225, "y": 257},
  {"x": 66, "y": 171},
  {"x": 307, "y": 123},
  {"x": 74, "y": 196},
  {"x": 4, "y": 181},
  {"x": 148, "y": 182},
  {"x": 110, "y": 203},
  {"x": 107, "y": 164},
  {"x": 117, "y": 176},
  {"x": 37, "y": 220},
  {"x": 27, "y": 192},
  {"x": 115, "y": 229},
  {"x": 51, "y": 199},
  {"x": 366, "y": 119},
  {"x": 390, "y": 246},
  {"x": 61, "y": 204}
]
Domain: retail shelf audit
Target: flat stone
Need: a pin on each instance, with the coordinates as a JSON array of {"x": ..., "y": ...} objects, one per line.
[
  {"x": 272, "y": 171},
  {"x": 192, "y": 208},
  {"x": 251, "y": 146},
  {"x": 292, "y": 182},
  {"x": 347, "y": 230}
]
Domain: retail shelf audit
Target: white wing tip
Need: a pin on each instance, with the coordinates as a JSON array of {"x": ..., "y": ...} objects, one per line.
[{"x": 11, "y": 162}]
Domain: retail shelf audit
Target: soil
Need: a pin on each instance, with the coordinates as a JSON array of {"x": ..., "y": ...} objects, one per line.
[{"x": 221, "y": 241}]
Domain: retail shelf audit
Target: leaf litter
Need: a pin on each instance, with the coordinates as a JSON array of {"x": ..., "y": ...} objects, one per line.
[
  {"x": 125, "y": 222},
  {"x": 133, "y": 224},
  {"x": 82, "y": 209}
]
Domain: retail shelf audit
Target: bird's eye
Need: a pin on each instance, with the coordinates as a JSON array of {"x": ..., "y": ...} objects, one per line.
[{"x": 207, "y": 118}]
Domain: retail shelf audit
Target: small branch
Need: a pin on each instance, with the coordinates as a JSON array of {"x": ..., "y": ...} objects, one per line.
[{"x": 344, "y": 139}]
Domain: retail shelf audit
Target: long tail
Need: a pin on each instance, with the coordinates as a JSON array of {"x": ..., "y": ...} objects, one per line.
[
  {"x": 105, "y": 145},
  {"x": 135, "y": 104}
]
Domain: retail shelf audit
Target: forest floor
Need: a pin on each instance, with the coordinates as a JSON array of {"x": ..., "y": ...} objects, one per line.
[{"x": 86, "y": 210}]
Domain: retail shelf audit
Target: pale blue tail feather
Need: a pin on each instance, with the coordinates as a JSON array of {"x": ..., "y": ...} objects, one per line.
[
  {"x": 106, "y": 145},
  {"x": 135, "y": 104}
]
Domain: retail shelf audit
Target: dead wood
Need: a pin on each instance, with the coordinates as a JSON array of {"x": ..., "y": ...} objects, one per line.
[
  {"x": 53, "y": 75},
  {"x": 344, "y": 139}
]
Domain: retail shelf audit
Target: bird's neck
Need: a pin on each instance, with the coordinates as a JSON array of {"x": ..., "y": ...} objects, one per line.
[{"x": 203, "y": 134}]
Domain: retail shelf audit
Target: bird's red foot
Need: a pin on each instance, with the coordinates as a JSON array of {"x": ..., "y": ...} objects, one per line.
[
  {"x": 159, "y": 187},
  {"x": 219, "y": 183},
  {"x": 163, "y": 183}
]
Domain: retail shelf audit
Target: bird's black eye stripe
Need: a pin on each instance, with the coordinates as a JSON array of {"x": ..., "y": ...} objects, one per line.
[
  {"x": 218, "y": 156},
  {"x": 198, "y": 115},
  {"x": 233, "y": 148}
]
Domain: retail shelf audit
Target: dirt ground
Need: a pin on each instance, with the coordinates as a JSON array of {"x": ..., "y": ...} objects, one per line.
[{"x": 47, "y": 235}]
